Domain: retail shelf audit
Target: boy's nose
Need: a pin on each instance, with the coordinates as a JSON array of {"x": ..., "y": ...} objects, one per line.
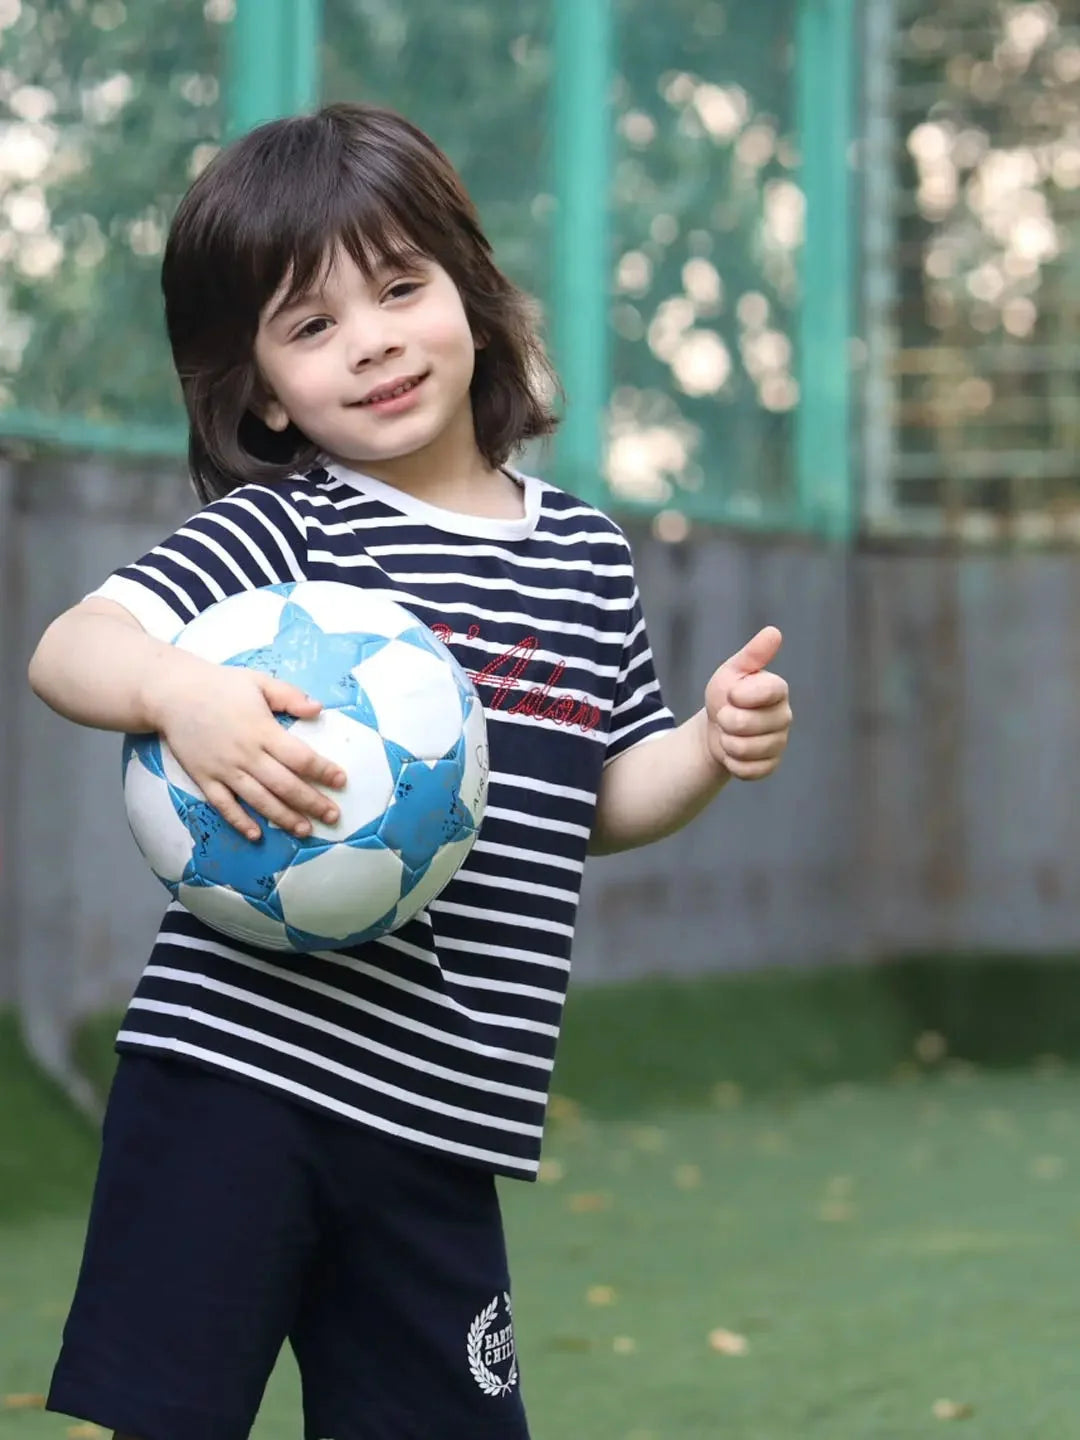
[{"x": 367, "y": 346}]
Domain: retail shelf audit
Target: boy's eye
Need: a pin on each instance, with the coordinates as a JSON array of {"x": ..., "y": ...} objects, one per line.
[
  {"x": 311, "y": 327},
  {"x": 401, "y": 288}
]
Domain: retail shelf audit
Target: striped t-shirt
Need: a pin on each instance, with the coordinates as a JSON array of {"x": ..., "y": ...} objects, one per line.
[{"x": 443, "y": 1033}]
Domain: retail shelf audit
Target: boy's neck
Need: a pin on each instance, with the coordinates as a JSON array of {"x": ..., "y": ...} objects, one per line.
[{"x": 451, "y": 474}]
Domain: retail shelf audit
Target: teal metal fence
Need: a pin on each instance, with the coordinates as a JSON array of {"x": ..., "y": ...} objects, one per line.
[{"x": 670, "y": 180}]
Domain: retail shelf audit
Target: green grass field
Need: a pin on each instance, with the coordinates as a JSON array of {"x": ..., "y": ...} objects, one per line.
[{"x": 771, "y": 1209}]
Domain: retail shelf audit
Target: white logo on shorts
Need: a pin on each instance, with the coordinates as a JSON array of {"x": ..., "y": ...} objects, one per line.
[{"x": 491, "y": 1350}]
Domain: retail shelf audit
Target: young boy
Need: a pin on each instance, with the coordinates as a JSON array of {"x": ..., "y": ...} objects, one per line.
[{"x": 306, "y": 1147}]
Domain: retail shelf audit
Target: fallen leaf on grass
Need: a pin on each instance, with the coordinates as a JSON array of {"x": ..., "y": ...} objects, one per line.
[
  {"x": 728, "y": 1342},
  {"x": 84, "y": 1432},
  {"x": 551, "y": 1172},
  {"x": 998, "y": 1122},
  {"x": 624, "y": 1345},
  {"x": 569, "y": 1344},
  {"x": 931, "y": 1047},
  {"x": 952, "y": 1410},
  {"x": 838, "y": 1205},
  {"x": 727, "y": 1095},
  {"x": 589, "y": 1202},
  {"x": 772, "y": 1142},
  {"x": 1047, "y": 1167},
  {"x": 688, "y": 1177},
  {"x": 837, "y": 1212},
  {"x": 563, "y": 1110},
  {"x": 600, "y": 1295},
  {"x": 24, "y": 1402},
  {"x": 649, "y": 1138}
]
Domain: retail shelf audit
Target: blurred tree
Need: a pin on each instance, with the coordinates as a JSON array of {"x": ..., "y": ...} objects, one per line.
[
  {"x": 707, "y": 224},
  {"x": 108, "y": 112}
]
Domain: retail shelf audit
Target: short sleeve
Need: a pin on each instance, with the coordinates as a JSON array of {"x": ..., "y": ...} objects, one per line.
[
  {"x": 250, "y": 538},
  {"x": 638, "y": 712}
]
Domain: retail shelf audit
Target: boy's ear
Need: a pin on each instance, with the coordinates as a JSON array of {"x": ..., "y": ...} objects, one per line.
[
  {"x": 272, "y": 414},
  {"x": 266, "y": 408}
]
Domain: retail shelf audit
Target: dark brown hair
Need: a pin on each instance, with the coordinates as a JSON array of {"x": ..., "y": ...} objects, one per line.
[{"x": 273, "y": 206}]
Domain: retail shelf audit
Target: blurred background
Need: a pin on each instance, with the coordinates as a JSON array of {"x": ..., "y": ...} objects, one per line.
[{"x": 810, "y": 270}]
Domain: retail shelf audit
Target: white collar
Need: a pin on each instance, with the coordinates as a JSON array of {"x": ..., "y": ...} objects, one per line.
[{"x": 480, "y": 526}]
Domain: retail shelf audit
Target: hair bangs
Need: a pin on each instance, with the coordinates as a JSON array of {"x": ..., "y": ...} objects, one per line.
[{"x": 378, "y": 231}]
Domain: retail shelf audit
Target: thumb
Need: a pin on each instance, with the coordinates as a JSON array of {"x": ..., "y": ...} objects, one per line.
[
  {"x": 755, "y": 655},
  {"x": 286, "y": 699}
]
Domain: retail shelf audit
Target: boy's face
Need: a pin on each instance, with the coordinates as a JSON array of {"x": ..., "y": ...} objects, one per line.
[{"x": 372, "y": 371}]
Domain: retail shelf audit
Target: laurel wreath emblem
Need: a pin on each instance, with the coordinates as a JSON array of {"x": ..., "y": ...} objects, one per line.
[{"x": 484, "y": 1376}]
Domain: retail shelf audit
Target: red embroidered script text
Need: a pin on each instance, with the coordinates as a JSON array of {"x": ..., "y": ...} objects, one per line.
[{"x": 503, "y": 675}]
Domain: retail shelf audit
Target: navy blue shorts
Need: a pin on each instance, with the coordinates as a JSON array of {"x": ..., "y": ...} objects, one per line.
[{"x": 226, "y": 1220}]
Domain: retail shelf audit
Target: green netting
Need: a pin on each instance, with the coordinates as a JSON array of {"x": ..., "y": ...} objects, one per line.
[
  {"x": 111, "y": 108},
  {"x": 705, "y": 213},
  {"x": 707, "y": 218}
]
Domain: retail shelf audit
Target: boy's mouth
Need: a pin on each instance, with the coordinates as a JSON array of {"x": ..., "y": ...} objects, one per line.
[{"x": 392, "y": 390}]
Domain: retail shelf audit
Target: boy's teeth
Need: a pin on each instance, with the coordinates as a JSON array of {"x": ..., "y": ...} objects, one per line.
[{"x": 390, "y": 394}]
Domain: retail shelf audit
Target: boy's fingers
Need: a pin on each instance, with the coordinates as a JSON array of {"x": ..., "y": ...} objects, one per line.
[
  {"x": 225, "y": 803},
  {"x": 291, "y": 790},
  {"x": 286, "y": 699},
  {"x": 254, "y": 793},
  {"x": 303, "y": 761},
  {"x": 758, "y": 691},
  {"x": 738, "y": 720}
]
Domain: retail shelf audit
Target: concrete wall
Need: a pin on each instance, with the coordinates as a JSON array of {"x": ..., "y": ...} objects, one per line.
[{"x": 926, "y": 799}]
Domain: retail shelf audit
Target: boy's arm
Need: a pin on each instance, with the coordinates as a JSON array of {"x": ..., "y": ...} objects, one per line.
[
  {"x": 96, "y": 665},
  {"x": 103, "y": 664},
  {"x": 659, "y": 786}
]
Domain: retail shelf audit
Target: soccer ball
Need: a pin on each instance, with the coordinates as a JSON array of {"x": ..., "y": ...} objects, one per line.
[{"x": 399, "y": 716}]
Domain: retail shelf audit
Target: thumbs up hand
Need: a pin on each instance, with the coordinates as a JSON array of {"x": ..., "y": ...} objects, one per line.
[{"x": 749, "y": 716}]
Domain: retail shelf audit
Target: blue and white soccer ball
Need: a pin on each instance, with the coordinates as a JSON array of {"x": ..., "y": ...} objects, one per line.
[{"x": 399, "y": 716}]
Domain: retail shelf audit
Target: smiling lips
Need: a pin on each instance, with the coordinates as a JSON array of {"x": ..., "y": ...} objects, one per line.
[{"x": 389, "y": 395}]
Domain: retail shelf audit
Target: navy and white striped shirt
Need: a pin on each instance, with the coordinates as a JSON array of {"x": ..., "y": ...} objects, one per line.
[{"x": 442, "y": 1034}]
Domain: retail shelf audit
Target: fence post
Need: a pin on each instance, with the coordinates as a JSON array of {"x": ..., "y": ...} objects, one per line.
[
  {"x": 826, "y": 52},
  {"x": 273, "y": 61},
  {"x": 581, "y": 274},
  {"x": 9, "y": 602}
]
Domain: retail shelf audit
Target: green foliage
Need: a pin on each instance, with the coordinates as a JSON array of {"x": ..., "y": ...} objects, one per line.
[{"x": 109, "y": 109}]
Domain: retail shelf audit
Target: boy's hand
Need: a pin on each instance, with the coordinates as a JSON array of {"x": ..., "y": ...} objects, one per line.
[
  {"x": 748, "y": 711},
  {"x": 219, "y": 723}
]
